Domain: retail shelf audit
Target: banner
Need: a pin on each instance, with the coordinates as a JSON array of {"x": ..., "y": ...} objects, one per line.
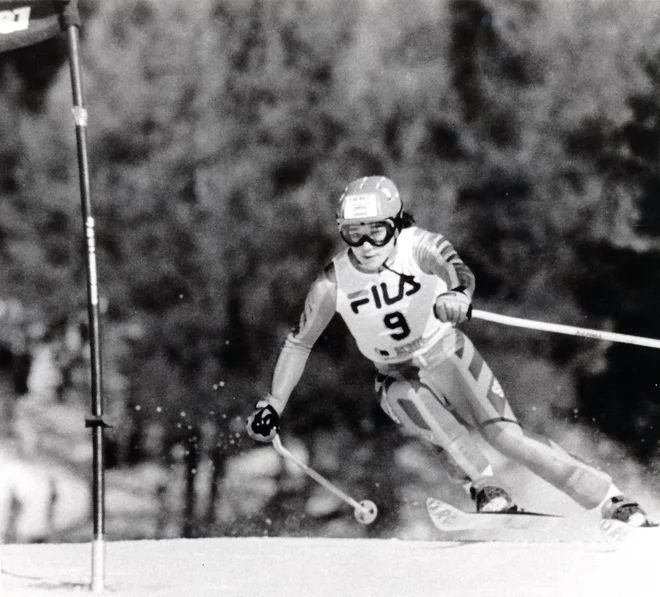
[{"x": 27, "y": 22}]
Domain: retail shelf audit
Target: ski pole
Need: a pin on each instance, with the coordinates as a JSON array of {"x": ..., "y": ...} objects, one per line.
[
  {"x": 365, "y": 511},
  {"x": 565, "y": 329}
]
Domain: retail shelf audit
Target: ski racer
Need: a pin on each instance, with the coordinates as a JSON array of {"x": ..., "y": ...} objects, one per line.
[{"x": 402, "y": 291}]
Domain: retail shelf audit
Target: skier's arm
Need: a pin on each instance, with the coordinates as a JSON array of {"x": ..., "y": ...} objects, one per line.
[
  {"x": 436, "y": 255},
  {"x": 320, "y": 306}
]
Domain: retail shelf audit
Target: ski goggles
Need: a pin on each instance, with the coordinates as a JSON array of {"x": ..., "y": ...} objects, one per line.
[{"x": 376, "y": 233}]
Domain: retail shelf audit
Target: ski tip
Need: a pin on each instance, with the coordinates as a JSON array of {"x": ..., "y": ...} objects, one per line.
[
  {"x": 441, "y": 513},
  {"x": 434, "y": 504},
  {"x": 619, "y": 534}
]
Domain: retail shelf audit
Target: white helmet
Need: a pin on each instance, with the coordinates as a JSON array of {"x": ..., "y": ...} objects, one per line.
[{"x": 370, "y": 199}]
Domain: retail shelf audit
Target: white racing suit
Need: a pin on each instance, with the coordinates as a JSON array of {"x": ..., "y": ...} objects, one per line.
[{"x": 430, "y": 378}]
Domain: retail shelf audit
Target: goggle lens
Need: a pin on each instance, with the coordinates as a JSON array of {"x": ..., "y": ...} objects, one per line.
[{"x": 376, "y": 233}]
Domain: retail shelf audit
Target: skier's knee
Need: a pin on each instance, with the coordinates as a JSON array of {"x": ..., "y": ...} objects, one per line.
[{"x": 392, "y": 390}]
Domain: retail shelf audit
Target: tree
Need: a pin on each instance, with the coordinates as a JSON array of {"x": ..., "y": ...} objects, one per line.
[{"x": 622, "y": 399}]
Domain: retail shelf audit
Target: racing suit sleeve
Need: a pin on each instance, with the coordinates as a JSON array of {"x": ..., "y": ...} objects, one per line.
[
  {"x": 436, "y": 255},
  {"x": 320, "y": 306}
]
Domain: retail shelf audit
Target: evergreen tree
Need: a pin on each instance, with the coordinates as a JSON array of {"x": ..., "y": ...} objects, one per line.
[{"x": 622, "y": 399}]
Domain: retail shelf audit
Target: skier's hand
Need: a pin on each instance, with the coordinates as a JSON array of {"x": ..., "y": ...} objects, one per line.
[
  {"x": 453, "y": 307},
  {"x": 264, "y": 423}
]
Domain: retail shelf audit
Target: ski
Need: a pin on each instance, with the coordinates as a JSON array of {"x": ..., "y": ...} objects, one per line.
[
  {"x": 619, "y": 534},
  {"x": 455, "y": 524}
]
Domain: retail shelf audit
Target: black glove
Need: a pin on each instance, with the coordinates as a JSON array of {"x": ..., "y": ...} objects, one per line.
[
  {"x": 264, "y": 423},
  {"x": 453, "y": 307}
]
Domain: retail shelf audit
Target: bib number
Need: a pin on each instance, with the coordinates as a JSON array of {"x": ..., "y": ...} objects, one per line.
[{"x": 398, "y": 324}]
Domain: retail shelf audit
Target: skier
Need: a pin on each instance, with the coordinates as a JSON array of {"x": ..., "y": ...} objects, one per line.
[{"x": 402, "y": 291}]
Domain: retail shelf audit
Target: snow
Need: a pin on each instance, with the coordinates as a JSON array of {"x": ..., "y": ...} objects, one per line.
[
  {"x": 323, "y": 567},
  {"x": 415, "y": 564}
]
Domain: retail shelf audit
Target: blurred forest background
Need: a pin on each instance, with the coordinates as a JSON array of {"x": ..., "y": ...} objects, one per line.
[{"x": 221, "y": 134}]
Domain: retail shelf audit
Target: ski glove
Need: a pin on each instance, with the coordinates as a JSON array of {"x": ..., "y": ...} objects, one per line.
[
  {"x": 264, "y": 423},
  {"x": 453, "y": 307}
]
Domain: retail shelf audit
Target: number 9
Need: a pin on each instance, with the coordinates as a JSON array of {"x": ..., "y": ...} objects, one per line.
[{"x": 396, "y": 321}]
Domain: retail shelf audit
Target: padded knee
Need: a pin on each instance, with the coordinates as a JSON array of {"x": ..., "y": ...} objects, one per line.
[{"x": 415, "y": 407}]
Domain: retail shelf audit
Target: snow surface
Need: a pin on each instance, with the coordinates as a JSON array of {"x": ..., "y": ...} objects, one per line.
[
  {"x": 322, "y": 567},
  {"x": 574, "y": 562}
]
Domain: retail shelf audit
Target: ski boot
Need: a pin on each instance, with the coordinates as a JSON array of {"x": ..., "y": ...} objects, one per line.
[
  {"x": 492, "y": 498},
  {"x": 625, "y": 510}
]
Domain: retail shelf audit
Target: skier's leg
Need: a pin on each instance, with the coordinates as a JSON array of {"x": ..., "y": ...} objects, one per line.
[
  {"x": 588, "y": 486},
  {"x": 414, "y": 406},
  {"x": 476, "y": 386},
  {"x": 585, "y": 484}
]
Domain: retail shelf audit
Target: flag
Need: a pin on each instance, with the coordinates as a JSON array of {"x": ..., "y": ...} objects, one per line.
[{"x": 27, "y": 22}]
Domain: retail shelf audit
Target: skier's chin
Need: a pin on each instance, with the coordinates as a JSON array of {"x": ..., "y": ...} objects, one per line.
[{"x": 371, "y": 262}]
